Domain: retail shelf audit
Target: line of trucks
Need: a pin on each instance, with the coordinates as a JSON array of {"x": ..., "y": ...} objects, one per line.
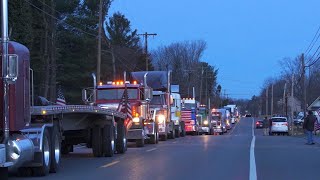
[{"x": 33, "y": 136}]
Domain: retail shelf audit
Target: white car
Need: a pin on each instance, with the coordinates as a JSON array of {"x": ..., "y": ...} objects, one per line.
[{"x": 279, "y": 126}]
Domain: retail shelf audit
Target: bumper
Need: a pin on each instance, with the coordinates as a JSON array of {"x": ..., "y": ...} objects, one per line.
[
  {"x": 204, "y": 130},
  {"x": 190, "y": 128},
  {"x": 135, "y": 134},
  {"x": 150, "y": 129},
  {"x": 279, "y": 130},
  {"x": 217, "y": 130}
]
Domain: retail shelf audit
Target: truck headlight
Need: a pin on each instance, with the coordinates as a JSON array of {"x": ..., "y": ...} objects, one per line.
[
  {"x": 205, "y": 122},
  {"x": 161, "y": 118},
  {"x": 136, "y": 119}
]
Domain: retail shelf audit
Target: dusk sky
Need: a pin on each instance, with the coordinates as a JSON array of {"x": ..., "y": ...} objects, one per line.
[{"x": 245, "y": 39}]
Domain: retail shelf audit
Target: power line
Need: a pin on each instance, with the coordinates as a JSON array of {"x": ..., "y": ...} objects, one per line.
[
  {"x": 59, "y": 19},
  {"x": 314, "y": 40}
]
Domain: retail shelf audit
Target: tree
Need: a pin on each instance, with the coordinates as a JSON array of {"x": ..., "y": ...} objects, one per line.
[
  {"x": 125, "y": 47},
  {"x": 184, "y": 59}
]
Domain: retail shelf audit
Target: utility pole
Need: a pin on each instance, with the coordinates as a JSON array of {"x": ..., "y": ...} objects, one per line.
[
  {"x": 201, "y": 84},
  {"x": 267, "y": 90},
  {"x": 303, "y": 85},
  {"x": 284, "y": 98},
  {"x": 271, "y": 100},
  {"x": 99, "y": 43},
  {"x": 145, "y": 35},
  {"x": 292, "y": 102}
]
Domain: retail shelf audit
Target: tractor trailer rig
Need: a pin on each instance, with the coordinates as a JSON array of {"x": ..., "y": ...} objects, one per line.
[
  {"x": 160, "y": 82},
  {"x": 189, "y": 115},
  {"x": 139, "y": 95},
  {"x": 32, "y": 137}
]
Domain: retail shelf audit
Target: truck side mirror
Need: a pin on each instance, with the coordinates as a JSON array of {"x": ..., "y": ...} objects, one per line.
[{"x": 12, "y": 72}]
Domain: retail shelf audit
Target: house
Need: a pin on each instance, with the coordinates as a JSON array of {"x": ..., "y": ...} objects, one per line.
[{"x": 315, "y": 106}]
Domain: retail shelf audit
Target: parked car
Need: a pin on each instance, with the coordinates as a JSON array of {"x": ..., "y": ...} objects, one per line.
[
  {"x": 299, "y": 119},
  {"x": 259, "y": 124},
  {"x": 279, "y": 126}
]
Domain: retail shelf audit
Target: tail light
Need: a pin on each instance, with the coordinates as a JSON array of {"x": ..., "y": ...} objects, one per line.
[
  {"x": 285, "y": 124},
  {"x": 257, "y": 122}
]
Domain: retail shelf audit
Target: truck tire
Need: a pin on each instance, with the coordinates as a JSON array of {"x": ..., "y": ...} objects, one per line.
[
  {"x": 45, "y": 155},
  {"x": 108, "y": 141},
  {"x": 55, "y": 149},
  {"x": 140, "y": 142},
  {"x": 121, "y": 143},
  {"x": 183, "y": 131},
  {"x": 177, "y": 133},
  {"x": 96, "y": 141},
  {"x": 164, "y": 137}
]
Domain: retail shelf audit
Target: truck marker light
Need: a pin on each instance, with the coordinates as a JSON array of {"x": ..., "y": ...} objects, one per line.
[
  {"x": 134, "y": 82},
  {"x": 43, "y": 112},
  {"x": 113, "y": 83},
  {"x": 117, "y": 83},
  {"x": 100, "y": 83},
  {"x": 121, "y": 82}
]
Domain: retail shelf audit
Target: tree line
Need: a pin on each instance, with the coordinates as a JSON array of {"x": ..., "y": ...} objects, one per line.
[{"x": 62, "y": 39}]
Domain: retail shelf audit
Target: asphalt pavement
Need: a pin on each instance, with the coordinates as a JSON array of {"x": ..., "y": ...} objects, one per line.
[{"x": 234, "y": 156}]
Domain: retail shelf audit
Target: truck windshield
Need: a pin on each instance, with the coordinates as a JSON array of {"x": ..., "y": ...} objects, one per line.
[
  {"x": 157, "y": 100},
  {"x": 115, "y": 94},
  {"x": 189, "y": 106}
]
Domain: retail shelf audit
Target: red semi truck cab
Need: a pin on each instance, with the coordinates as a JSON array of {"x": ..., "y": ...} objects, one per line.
[{"x": 109, "y": 96}]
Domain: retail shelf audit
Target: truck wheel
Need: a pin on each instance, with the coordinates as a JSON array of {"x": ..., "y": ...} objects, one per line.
[
  {"x": 164, "y": 137},
  {"x": 153, "y": 139},
  {"x": 177, "y": 133},
  {"x": 45, "y": 155},
  {"x": 140, "y": 142},
  {"x": 89, "y": 139},
  {"x": 96, "y": 141},
  {"x": 55, "y": 150},
  {"x": 108, "y": 145},
  {"x": 121, "y": 144}
]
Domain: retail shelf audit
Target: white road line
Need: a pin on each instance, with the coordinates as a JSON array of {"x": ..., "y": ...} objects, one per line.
[
  {"x": 174, "y": 142},
  {"x": 253, "y": 168},
  {"x": 110, "y": 164},
  {"x": 149, "y": 150}
]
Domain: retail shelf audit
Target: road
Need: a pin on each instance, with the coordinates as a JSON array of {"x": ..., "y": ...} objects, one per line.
[{"x": 232, "y": 157}]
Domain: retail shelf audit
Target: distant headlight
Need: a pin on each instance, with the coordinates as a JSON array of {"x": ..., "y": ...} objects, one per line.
[
  {"x": 205, "y": 122},
  {"x": 136, "y": 119},
  {"x": 161, "y": 118}
]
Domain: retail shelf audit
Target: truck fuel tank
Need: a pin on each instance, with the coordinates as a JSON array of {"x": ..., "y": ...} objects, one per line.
[{"x": 20, "y": 150}]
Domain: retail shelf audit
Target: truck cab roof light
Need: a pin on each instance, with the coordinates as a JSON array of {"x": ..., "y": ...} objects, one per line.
[
  {"x": 109, "y": 82},
  {"x": 127, "y": 82},
  {"x": 134, "y": 82},
  {"x": 121, "y": 82},
  {"x": 100, "y": 83},
  {"x": 113, "y": 83}
]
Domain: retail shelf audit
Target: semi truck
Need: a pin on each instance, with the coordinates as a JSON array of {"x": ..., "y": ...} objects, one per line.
[
  {"x": 189, "y": 115},
  {"x": 204, "y": 123},
  {"x": 138, "y": 95},
  {"x": 33, "y": 137},
  {"x": 160, "y": 82},
  {"x": 179, "y": 125}
]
